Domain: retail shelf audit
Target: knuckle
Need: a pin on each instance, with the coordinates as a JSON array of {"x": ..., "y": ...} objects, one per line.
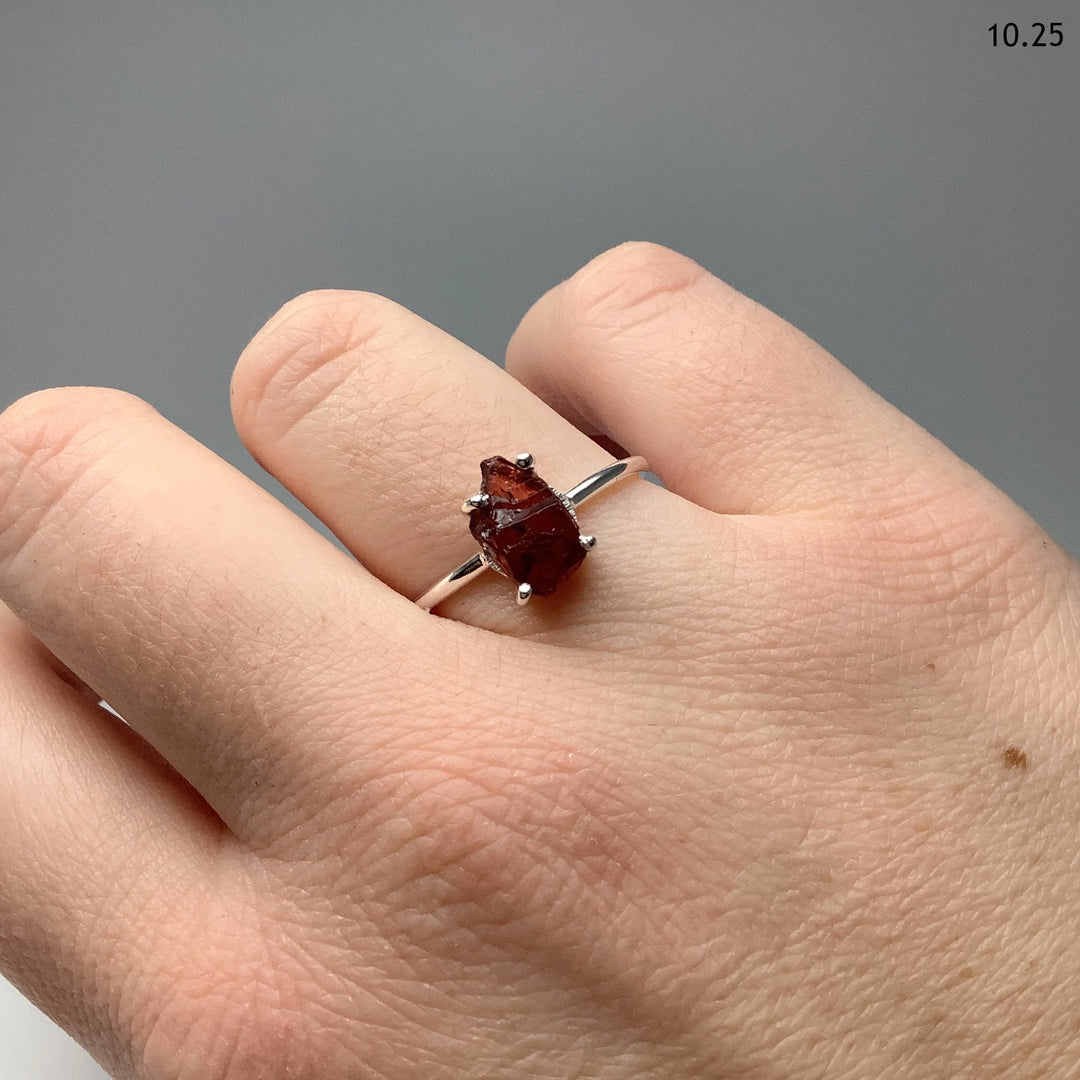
[
  {"x": 506, "y": 837},
  {"x": 235, "y": 1008},
  {"x": 974, "y": 576},
  {"x": 637, "y": 277},
  {"x": 51, "y": 418},
  {"x": 47, "y": 441},
  {"x": 312, "y": 342}
]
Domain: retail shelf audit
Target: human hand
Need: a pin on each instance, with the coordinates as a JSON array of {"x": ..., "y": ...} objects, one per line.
[{"x": 781, "y": 784}]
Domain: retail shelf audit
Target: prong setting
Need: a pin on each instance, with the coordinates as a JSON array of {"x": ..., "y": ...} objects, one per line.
[
  {"x": 475, "y": 502},
  {"x": 498, "y": 553},
  {"x": 524, "y": 593},
  {"x": 524, "y": 461},
  {"x": 588, "y": 542}
]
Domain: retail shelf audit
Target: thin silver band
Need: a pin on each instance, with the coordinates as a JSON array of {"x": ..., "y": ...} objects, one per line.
[{"x": 588, "y": 487}]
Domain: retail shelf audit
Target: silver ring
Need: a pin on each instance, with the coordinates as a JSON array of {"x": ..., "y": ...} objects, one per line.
[{"x": 494, "y": 513}]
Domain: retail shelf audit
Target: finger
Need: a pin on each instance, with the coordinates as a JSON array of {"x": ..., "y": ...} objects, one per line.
[
  {"x": 193, "y": 601},
  {"x": 734, "y": 408},
  {"x": 378, "y": 421},
  {"x": 100, "y": 844}
]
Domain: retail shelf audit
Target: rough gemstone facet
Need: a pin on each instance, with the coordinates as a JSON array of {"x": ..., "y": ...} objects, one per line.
[{"x": 525, "y": 528}]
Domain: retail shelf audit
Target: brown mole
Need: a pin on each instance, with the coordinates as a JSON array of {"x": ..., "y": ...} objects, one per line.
[{"x": 1012, "y": 757}]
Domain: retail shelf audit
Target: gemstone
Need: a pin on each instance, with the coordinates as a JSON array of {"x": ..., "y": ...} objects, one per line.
[{"x": 524, "y": 528}]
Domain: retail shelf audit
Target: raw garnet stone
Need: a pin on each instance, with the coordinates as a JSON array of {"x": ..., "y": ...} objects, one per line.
[{"x": 526, "y": 529}]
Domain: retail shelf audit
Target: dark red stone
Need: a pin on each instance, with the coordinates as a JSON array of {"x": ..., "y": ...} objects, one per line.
[{"x": 527, "y": 529}]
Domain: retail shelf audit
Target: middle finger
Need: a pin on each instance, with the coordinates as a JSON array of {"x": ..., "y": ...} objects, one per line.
[{"x": 197, "y": 605}]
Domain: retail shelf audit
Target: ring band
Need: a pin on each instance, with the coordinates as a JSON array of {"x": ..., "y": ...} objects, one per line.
[{"x": 499, "y": 503}]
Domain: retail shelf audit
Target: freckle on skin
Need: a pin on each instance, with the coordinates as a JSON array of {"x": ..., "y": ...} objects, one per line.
[
  {"x": 930, "y": 666},
  {"x": 1012, "y": 757}
]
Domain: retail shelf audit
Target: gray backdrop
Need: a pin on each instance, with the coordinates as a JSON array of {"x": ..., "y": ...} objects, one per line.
[{"x": 876, "y": 172}]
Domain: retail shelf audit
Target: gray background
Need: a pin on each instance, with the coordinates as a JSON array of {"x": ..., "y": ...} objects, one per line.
[{"x": 875, "y": 172}]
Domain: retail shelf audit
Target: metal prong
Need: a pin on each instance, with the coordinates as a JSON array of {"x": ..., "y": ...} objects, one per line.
[
  {"x": 524, "y": 593},
  {"x": 475, "y": 502},
  {"x": 588, "y": 542},
  {"x": 524, "y": 461}
]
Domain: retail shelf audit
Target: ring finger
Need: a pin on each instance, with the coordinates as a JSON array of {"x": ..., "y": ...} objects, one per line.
[{"x": 377, "y": 421}]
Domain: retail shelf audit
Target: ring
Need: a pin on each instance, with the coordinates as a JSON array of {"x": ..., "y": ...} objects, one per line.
[{"x": 527, "y": 531}]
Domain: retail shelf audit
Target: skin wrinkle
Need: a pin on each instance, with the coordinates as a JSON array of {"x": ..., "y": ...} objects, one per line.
[
  {"x": 407, "y": 906},
  {"x": 357, "y": 330},
  {"x": 200, "y": 988},
  {"x": 310, "y": 318},
  {"x": 79, "y": 489},
  {"x": 632, "y": 275}
]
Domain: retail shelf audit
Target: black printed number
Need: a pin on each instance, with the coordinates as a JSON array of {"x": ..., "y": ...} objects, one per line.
[{"x": 1008, "y": 34}]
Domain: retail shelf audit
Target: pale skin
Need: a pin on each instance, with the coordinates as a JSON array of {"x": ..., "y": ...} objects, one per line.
[{"x": 782, "y": 784}]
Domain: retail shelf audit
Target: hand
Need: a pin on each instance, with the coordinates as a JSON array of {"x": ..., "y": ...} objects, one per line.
[{"x": 781, "y": 784}]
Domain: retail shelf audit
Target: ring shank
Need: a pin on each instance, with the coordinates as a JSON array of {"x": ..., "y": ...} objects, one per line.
[{"x": 579, "y": 493}]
